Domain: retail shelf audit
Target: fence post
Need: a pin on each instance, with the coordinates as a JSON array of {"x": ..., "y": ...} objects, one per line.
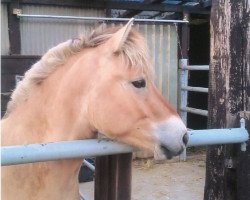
[
  {"x": 113, "y": 177},
  {"x": 228, "y": 95},
  {"x": 14, "y": 28},
  {"x": 183, "y": 53},
  {"x": 124, "y": 176},
  {"x": 183, "y": 94}
]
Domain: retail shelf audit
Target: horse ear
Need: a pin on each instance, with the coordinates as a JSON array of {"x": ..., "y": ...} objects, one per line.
[{"x": 119, "y": 38}]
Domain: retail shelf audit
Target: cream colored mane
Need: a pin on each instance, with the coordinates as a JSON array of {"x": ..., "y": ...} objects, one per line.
[{"x": 134, "y": 52}]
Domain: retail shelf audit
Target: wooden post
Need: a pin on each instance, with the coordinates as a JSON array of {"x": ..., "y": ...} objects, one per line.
[
  {"x": 113, "y": 177},
  {"x": 243, "y": 161},
  {"x": 183, "y": 36},
  {"x": 124, "y": 177},
  {"x": 14, "y": 28},
  {"x": 229, "y": 69}
]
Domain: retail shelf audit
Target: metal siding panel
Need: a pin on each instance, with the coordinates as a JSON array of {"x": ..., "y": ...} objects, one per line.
[
  {"x": 5, "y": 43},
  {"x": 162, "y": 43},
  {"x": 165, "y": 61},
  {"x": 38, "y": 35},
  {"x": 173, "y": 66}
]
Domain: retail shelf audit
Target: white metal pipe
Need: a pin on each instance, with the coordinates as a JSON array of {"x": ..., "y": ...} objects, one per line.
[
  {"x": 195, "y": 67},
  {"x": 20, "y": 154},
  {"x": 61, "y": 150},
  {"x": 195, "y": 89},
  {"x": 89, "y": 165},
  {"x": 100, "y": 18},
  {"x": 183, "y": 82},
  {"x": 195, "y": 111},
  {"x": 217, "y": 136}
]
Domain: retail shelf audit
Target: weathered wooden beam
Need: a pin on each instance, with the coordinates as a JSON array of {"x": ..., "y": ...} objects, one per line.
[
  {"x": 183, "y": 39},
  {"x": 243, "y": 161},
  {"x": 229, "y": 68}
]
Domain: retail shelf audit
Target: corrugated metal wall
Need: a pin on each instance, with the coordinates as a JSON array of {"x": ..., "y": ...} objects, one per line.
[
  {"x": 38, "y": 35},
  {"x": 162, "y": 43},
  {"x": 4, "y": 31}
]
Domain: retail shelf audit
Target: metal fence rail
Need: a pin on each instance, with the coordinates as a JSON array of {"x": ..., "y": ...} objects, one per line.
[
  {"x": 195, "y": 111},
  {"x": 89, "y": 165},
  {"x": 20, "y": 154},
  {"x": 195, "y": 89},
  {"x": 99, "y": 18},
  {"x": 195, "y": 67},
  {"x": 185, "y": 88}
]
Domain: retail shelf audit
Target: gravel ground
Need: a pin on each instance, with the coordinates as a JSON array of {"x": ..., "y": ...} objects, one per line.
[{"x": 171, "y": 180}]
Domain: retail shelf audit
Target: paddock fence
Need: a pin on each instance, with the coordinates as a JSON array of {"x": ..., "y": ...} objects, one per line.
[
  {"x": 21, "y": 154},
  {"x": 31, "y": 153},
  {"x": 184, "y": 88}
]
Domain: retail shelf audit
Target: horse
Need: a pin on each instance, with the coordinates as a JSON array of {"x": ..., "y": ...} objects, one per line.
[{"x": 102, "y": 82}]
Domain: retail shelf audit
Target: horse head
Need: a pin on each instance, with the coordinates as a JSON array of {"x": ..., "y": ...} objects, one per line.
[
  {"x": 100, "y": 83},
  {"x": 123, "y": 102}
]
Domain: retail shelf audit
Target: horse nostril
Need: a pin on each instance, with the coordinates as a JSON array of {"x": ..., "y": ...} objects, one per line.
[{"x": 185, "y": 139}]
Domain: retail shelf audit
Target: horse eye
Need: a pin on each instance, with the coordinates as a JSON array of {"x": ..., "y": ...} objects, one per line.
[{"x": 139, "y": 84}]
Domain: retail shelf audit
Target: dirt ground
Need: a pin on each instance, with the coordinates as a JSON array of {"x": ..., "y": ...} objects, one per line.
[{"x": 171, "y": 180}]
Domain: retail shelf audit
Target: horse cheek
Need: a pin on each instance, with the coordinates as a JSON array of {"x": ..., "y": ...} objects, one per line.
[{"x": 119, "y": 115}]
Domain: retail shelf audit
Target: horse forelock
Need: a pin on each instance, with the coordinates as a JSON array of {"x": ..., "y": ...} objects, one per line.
[{"x": 134, "y": 52}]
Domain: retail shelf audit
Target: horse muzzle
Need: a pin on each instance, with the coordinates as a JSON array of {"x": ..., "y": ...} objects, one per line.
[
  {"x": 169, "y": 154},
  {"x": 172, "y": 136}
]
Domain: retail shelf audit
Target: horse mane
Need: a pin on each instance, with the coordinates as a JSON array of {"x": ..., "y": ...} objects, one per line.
[{"x": 134, "y": 52}]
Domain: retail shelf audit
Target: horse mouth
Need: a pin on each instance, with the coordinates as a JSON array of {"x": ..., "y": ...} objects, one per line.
[{"x": 170, "y": 154}]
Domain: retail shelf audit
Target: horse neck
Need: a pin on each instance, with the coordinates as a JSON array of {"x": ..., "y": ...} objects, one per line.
[{"x": 54, "y": 111}]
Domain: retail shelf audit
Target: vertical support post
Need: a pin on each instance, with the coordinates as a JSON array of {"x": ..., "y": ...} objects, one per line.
[
  {"x": 243, "y": 157},
  {"x": 184, "y": 37},
  {"x": 183, "y": 95},
  {"x": 229, "y": 67},
  {"x": 14, "y": 28},
  {"x": 183, "y": 74},
  {"x": 113, "y": 177},
  {"x": 103, "y": 174},
  {"x": 124, "y": 177}
]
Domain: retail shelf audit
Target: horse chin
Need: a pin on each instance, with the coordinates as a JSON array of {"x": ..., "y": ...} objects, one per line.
[{"x": 169, "y": 154}]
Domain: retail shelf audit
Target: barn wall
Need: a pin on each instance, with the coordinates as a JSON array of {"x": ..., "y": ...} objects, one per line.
[
  {"x": 12, "y": 66},
  {"x": 38, "y": 35},
  {"x": 162, "y": 43},
  {"x": 4, "y": 31}
]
